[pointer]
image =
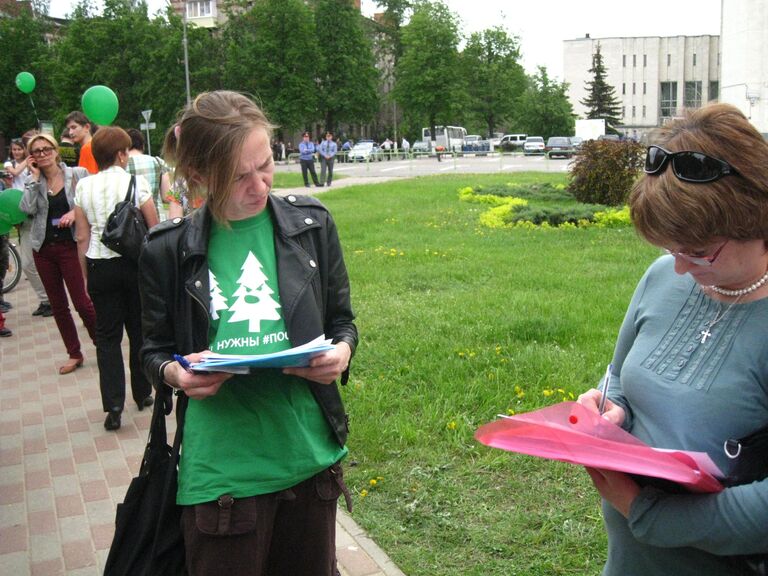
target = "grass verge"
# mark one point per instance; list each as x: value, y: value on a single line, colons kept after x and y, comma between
x: 459, y: 323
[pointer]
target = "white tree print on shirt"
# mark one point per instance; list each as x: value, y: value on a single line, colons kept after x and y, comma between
x: 218, y: 301
x: 254, y: 297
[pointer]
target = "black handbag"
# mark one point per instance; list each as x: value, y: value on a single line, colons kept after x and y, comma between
x: 125, y: 229
x: 748, y: 459
x: 148, y: 538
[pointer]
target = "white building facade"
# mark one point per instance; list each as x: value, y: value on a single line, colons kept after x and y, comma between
x: 744, y: 45
x: 654, y: 77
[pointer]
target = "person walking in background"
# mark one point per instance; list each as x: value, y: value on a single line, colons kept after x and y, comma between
x: 49, y: 197
x: 152, y: 168
x: 690, y: 366
x: 406, y: 147
x: 113, y: 279
x: 251, y: 272
x: 80, y: 131
x: 17, y: 167
x: 307, y: 151
x: 327, y: 157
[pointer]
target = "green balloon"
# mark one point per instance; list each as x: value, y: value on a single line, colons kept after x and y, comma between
x: 25, y: 82
x: 100, y: 105
x: 10, y: 213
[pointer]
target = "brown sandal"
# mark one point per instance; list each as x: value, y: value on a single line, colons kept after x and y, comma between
x: 71, y: 365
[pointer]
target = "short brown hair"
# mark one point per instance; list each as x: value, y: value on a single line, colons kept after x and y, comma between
x: 206, y: 142
x: 107, y: 142
x: 667, y: 211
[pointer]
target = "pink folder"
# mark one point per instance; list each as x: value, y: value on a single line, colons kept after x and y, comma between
x: 570, y: 433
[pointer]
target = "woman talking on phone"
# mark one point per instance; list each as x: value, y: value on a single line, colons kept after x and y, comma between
x: 49, y: 195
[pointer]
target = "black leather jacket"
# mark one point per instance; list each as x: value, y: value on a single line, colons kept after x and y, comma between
x: 312, y: 279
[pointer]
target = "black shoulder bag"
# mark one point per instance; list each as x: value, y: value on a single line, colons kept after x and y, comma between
x: 148, y: 538
x: 749, y: 463
x: 125, y: 229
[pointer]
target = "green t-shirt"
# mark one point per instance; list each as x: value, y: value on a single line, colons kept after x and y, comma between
x: 264, y: 432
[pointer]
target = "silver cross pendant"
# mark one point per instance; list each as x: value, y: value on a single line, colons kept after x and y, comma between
x: 705, y: 334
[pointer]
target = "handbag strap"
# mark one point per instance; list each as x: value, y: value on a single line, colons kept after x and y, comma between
x: 131, y: 194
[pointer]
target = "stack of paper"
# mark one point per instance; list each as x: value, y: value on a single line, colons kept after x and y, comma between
x: 297, y: 357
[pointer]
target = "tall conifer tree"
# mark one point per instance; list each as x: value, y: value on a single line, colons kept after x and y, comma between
x: 601, y: 101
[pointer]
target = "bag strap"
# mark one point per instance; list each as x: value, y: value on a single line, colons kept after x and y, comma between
x: 131, y: 195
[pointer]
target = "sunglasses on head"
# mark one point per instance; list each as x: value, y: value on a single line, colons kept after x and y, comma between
x: 687, y: 166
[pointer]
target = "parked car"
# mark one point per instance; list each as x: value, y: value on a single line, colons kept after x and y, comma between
x: 420, y: 147
x: 559, y: 146
x: 365, y: 151
x: 576, y: 142
x: 533, y: 145
x: 512, y: 142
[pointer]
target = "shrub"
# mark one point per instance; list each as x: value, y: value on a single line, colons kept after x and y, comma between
x: 604, y: 171
x: 557, y: 215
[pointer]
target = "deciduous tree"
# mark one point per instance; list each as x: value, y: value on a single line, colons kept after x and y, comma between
x: 494, y: 77
x: 544, y: 107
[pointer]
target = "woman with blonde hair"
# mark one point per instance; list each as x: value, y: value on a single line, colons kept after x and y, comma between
x: 49, y: 194
x: 690, y: 367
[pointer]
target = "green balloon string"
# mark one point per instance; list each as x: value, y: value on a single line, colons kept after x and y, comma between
x: 34, y: 109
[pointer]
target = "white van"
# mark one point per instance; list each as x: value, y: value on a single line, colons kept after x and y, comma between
x: 512, y: 142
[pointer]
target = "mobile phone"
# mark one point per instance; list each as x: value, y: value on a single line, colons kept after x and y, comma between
x: 33, y: 164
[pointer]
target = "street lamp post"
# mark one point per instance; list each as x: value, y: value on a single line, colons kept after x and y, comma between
x: 186, y: 56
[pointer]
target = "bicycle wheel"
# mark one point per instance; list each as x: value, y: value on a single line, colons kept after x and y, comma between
x: 13, y: 274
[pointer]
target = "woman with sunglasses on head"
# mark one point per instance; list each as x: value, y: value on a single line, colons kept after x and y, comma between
x: 690, y: 367
x: 49, y: 197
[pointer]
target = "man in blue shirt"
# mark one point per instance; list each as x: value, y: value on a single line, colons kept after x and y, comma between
x: 327, y: 157
x: 307, y: 160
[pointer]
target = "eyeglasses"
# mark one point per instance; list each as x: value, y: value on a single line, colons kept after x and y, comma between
x: 688, y: 166
x: 699, y: 260
x: 44, y: 151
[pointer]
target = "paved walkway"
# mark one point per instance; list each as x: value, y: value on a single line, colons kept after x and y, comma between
x: 62, y: 474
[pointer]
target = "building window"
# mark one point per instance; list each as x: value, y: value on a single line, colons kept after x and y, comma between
x: 623, y: 111
x: 644, y: 88
x: 645, y: 60
x: 623, y: 88
x: 693, y: 94
x: 633, y: 90
x: 199, y: 9
x: 633, y: 111
x: 623, y: 60
x: 643, y: 110
x: 634, y: 60
x: 714, y: 90
x: 668, y: 99
x: 694, y: 58
x: 669, y: 60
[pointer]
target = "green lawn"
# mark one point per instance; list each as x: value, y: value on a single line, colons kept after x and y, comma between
x: 459, y: 323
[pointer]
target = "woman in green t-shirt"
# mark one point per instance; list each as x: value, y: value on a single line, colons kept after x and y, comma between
x: 249, y: 273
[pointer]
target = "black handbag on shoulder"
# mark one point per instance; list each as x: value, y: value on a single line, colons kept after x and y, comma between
x: 748, y: 463
x: 125, y: 229
x: 148, y: 539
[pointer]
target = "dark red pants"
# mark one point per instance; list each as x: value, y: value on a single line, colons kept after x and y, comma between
x: 58, y: 265
x: 286, y: 533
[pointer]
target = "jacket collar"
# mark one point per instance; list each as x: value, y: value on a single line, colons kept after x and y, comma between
x: 289, y: 220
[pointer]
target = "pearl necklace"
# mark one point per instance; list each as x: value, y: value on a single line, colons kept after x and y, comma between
x: 740, y: 291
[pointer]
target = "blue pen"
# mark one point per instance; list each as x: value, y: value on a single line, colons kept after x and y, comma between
x: 606, y: 384
x: 183, y: 361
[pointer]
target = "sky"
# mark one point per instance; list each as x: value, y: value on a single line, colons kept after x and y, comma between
x: 542, y: 28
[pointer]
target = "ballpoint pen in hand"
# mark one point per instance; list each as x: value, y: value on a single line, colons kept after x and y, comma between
x: 606, y: 384
x: 183, y: 361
